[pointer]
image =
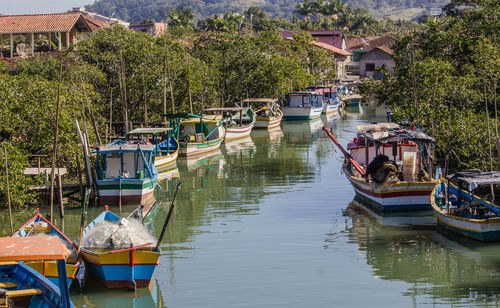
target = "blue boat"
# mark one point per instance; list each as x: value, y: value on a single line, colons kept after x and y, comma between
x: 123, y: 267
x: 459, y: 210
x: 37, y: 226
x: 22, y: 286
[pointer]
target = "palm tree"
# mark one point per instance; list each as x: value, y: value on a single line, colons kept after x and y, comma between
x: 305, y: 9
x: 181, y: 17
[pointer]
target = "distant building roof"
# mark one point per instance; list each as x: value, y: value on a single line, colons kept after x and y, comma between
x: 387, y: 50
x: 368, y: 43
x: 42, y: 23
x: 336, y: 35
x: 95, y: 24
x: 332, y: 48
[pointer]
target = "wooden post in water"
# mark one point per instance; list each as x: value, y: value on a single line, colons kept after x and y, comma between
x: 80, y: 180
x: 8, y: 191
x: 60, y: 193
x: 54, y: 149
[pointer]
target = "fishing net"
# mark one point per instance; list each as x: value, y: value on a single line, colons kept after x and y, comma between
x: 118, y: 235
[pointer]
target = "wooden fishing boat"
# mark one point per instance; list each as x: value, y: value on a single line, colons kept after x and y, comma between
x: 21, y: 285
x: 331, y: 100
x: 460, y: 211
x: 269, y: 115
x: 119, y: 268
x: 37, y: 226
x: 402, y: 184
x: 166, y: 146
x: 303, y: 106
x: 197, y: 134
x: 125, y: 172
x: 238, y: 121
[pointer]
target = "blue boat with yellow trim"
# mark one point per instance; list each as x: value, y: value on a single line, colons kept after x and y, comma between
x: 119, y: 268
x: 459, y: 210
x: 22, y: 286
x: 37, y: 226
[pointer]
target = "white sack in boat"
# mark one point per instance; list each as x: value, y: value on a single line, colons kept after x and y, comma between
x: 114, y: 235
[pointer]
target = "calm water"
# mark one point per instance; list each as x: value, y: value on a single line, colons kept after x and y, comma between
x: 271, y: 222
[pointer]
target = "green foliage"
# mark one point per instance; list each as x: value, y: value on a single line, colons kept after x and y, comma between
x: 447, y: 80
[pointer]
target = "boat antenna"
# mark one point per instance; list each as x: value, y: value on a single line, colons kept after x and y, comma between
x: 170, y: 210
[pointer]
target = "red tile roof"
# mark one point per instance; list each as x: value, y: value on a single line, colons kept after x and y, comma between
x: 370, y: 42
x: 40, y: 23
x: 94, y: 23
x: 332, y: 48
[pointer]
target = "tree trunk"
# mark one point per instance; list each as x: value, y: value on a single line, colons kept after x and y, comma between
x: 144, y: 95
x: 54, y: 147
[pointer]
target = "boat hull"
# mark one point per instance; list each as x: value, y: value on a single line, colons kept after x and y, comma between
x: 236, y: 132
x: 400, y: 197
x: 28, y: 278
x: 330, y: 108
x: 199, y: 148
x: 163, y: 163
x: 306, y: 113
x: 486, y: 230
x: 127, y: 269
x: 133, y: 191
x: 268, y: 122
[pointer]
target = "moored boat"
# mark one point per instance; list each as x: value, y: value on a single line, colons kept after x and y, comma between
x: 352, y: 100
x: 238, y: 121
x: 37, y: 226
x: 197, y: 134
x: 116, y: 256
x: 460, y: 211
x: 331, y: 100
x: 269, y: 115
x: 166, y: 146
x: 21, y: 285
x: 125, y: 172
x: 303, y: 106
x: 401, y: 184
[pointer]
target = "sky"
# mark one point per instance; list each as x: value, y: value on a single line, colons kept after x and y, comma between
x: 8, y: 7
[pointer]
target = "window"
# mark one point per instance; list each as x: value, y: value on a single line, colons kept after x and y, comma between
x: 369, y: 67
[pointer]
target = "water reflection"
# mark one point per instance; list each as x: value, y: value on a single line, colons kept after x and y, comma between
x: 439, y: 269
x: 94, y: 295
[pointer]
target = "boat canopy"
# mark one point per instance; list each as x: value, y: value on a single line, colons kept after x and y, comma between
x: 152, y: 130
x: 230, y: 109
x: 205, y: 118
x: 397, y: 135
x: 126, y: 147
x: 37, y: 248
x: 260, y: 100
x: 477, y: 178
x: 377, y: 127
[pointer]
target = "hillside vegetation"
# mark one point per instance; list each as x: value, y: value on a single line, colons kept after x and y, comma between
x: 138, y: 10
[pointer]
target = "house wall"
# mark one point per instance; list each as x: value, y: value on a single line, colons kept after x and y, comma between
x: 379, y: 58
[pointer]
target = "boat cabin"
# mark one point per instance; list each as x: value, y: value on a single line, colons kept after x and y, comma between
x: 125, y: 160
x: 160, y: 137
x: 233, y: 116
x: 200, y: 128
x: 304, y: 100
x: 266, y: 107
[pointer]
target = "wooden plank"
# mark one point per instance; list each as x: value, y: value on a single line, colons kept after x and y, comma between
x: 24, y: 292
x: 34, y: 171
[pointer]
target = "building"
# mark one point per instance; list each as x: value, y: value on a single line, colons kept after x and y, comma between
x: 333, y: 38
x: 342, y: 57
x: 101, y: 18
x: 155, y: 29
x: 61, y: 29
x: 374, y: 60
x: 359, y: 46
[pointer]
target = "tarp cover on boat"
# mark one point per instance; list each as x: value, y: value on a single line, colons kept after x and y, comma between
x: 32, y: 248
x: 476, y: 179
x: 398, y: 135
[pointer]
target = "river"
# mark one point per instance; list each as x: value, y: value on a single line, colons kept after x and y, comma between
x: 271, y: 222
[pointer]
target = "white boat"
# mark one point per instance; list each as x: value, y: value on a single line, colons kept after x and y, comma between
x: 331, y: 100
x: 303, y: 106
x: 238, y: 121
x: 269, y: 115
